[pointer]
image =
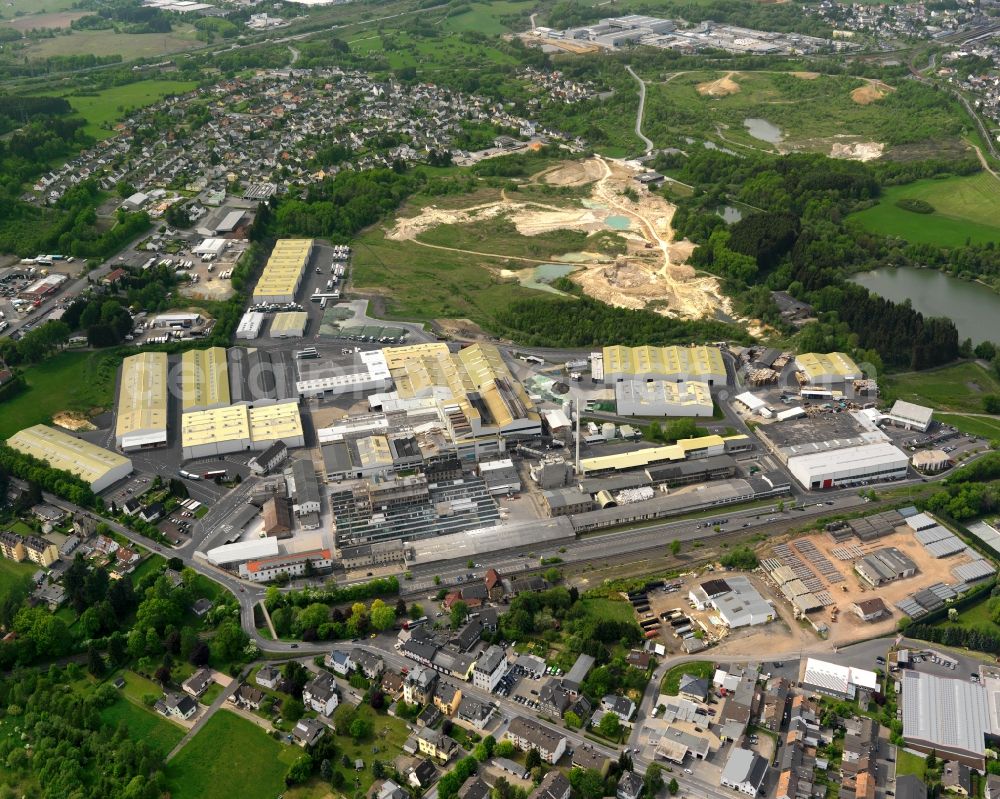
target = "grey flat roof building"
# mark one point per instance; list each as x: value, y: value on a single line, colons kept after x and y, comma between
x: 947, y: 716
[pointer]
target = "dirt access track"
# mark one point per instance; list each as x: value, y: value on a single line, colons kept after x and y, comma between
x: 652, y: 274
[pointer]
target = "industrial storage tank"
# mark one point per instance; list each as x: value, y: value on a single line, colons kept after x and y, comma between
x: 608, y: 431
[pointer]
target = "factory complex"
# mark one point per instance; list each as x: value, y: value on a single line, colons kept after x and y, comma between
x: 282, y: 275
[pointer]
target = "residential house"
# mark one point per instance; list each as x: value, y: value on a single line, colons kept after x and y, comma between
x: 775, y: 705
x: 392, y: 684
x: 494, y: 585
x: 870, y: 610
x: 910, y: 786
x: 630, y: 786
x: 422, y: 774
x: 340, y: 662
x: 591, y: 760
x: 468, y: 636
x: 268, y: 677
x: 151, y: 513
x: 418, y: 688
x: 474, y: 788
x: 178, y: 706
x: 744, y: 771
x: 69, y: 546
x: 621, y: 706
x: 429, y: 716
x: 435, y: 744
x: 554, y: 785
x: 447, y: 698
x: 956, y: 778
x: 794, y: 784
x: 126, y: 559
x: 693, y: 688
x: 40, y: 551
x: 132, y: 506
x: 476, y: 713
x: 321, y: 694
x: 639, y: 659
x: 12, y: 546
x: 527, y: 734
x: 388, y: 790
x: 490, y: 668
x: 368, y: 663
x: 247, y: 696
x: 198, y: 683
x: 308, y: 731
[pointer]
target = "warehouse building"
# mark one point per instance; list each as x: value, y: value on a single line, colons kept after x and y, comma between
x: 684, y: 449
x: 282, y: 275
x: 204, y: 379
x: 672, y: 364
x: 849, y: 466
x: 946, y: 716
x: 96, y: 466
x: 141, y: 420
x: 663, y: 398
x: 832, y: 679
x: 250, y: 325
x: 260, y: 377
x: 328, y: 380
x: 828, y: 369
x: 930, y: 461
x: 885, y: 566
x: 239, y: 428
x: 290, y: 324
x: 911, y: 416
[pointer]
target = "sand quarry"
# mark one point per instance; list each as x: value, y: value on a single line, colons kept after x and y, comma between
x: 872, y: 92
x: 651, y: 274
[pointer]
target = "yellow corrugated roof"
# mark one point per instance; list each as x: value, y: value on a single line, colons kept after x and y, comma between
x: 204, y: 378
x: 289, y: 320
x: 284, y: 268
x: 835, y: 364
x: 215, y: 425
x: 270, y: 422
x: 142, y: 394
x: 374, y: 451
x: 643, y: 457
x: 87, y: 461
x: 698, y: 361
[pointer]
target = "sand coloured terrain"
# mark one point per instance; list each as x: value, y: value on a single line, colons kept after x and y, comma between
x: 874, y: 91
x: 722, y: 87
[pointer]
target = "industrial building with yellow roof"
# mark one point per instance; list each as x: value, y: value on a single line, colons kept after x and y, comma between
x: 94, y: 465
x: 684, y: 449
x: 282, y: 275
x: 141, y: 420
x: 824, y: 369
x: 204, y: 379
x: 240, y: 428
x: 477, y: 393
x: 674, y: 364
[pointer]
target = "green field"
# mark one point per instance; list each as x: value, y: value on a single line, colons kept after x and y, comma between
x: 697, y: 668
x: 421, y: 283
x: 143, y: 724
x: 399, y: 50
x: 966, y: 209
x: 106, y: 42
x: 11, y: 8
x: 809, y: 112
x: 987, y: 427
x: 500, y: 236
x: 10, y: 572
x: 909, y: 763
x: 957, y: 388
x: 230, y: 757
x: 489, y: 18
x: 73, y: 381
x: 598, y: 608
x: 104, y: 108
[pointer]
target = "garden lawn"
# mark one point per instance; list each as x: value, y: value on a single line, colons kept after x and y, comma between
x: 672, y: 679
x: 909, y: 763
x: 10, y: 572
x: 143, y: 724
x: 69, y: 381
x: 965, y: 209
x: 389, y: 735
x: 959, y: 388
x: 599, y: 609
x: 230, y: 757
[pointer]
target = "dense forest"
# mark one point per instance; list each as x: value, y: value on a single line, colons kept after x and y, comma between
x: 797, y: 239
x: 585, y: 322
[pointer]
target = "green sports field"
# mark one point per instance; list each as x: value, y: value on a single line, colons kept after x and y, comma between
x: 966, y: 209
